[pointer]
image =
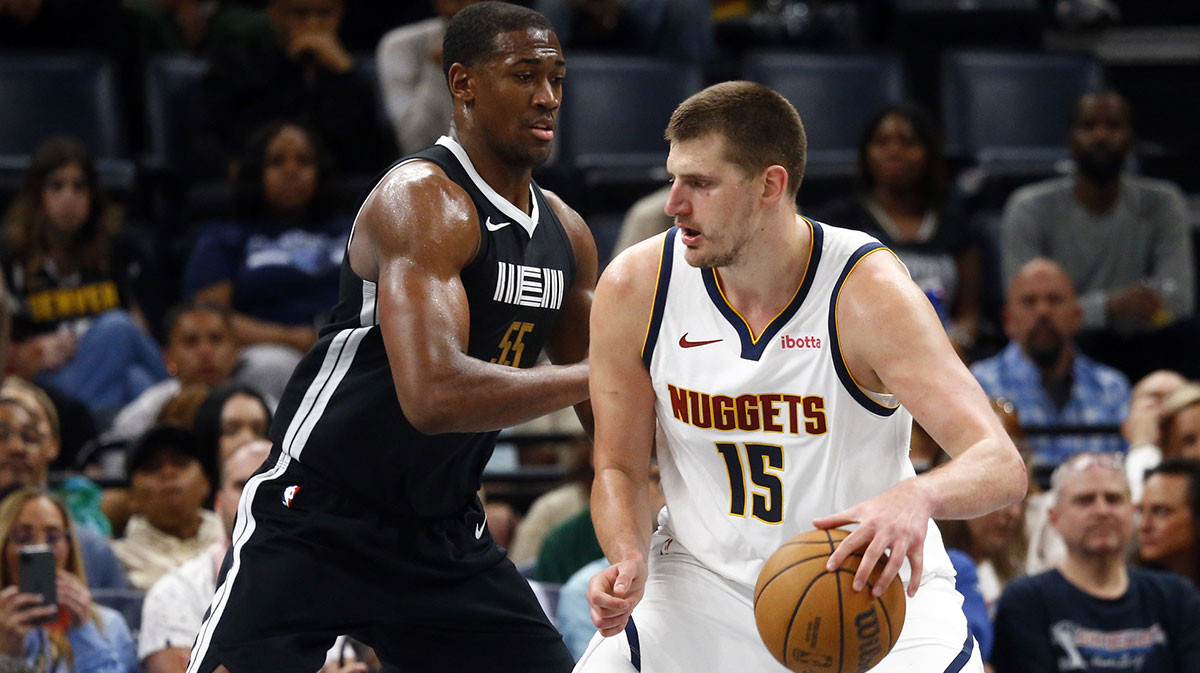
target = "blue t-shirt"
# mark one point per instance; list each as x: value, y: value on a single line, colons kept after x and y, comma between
x: 1045, y: 624
x: 287, y: 276
x: 966, y: 581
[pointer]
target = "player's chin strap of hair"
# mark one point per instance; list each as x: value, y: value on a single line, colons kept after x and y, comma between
x: 635, y: 648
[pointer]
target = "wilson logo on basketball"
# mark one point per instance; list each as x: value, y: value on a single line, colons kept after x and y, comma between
x: 870, y: 650
x: 786, y: 341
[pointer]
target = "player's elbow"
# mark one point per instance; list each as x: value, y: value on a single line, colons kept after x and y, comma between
x: 1015, y: 478
x: 431, y: 411
x: 430, y: 418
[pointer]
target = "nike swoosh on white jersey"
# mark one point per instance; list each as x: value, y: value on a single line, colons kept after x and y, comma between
x: 495, y: 227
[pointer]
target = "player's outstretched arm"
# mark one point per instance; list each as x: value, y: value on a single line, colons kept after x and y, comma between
x: 893, y: 342
x: 569, y: 340
x: 623, y: 403
x: 415, y: 234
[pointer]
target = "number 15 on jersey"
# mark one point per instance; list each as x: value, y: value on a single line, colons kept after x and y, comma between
x: 765, y: 462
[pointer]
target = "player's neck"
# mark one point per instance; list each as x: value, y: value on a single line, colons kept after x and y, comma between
x: 510, y: 182
x: 1099, y: 576
x: 770, y: 269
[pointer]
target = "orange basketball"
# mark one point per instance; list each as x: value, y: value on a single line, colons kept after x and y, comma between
x: 813, y: 621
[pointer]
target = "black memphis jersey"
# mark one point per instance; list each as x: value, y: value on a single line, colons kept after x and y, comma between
x: 339, y: 414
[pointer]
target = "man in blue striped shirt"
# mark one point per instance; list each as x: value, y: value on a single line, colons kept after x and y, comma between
x: 1042, y: 373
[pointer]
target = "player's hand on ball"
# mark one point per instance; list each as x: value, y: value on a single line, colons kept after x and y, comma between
x: 894, y: 522
x: 614, y: 592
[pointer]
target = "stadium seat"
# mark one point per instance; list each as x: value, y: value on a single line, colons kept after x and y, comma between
x: 74, y: 95
x: 1011, y: 110
x: 834, y: 94
x: 169, y: 79
x: 48, y: 95
x: 614, y: 111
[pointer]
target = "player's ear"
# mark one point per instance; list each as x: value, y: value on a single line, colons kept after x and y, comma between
x: 461, y: 83
x: 775, y: 183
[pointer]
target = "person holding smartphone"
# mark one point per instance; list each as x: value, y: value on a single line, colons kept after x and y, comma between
x: 73, y: 635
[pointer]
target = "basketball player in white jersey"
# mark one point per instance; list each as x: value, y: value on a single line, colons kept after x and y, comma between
x: 784, y: 361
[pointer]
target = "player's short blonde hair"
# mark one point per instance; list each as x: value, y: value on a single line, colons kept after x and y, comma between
x: 760, y: 127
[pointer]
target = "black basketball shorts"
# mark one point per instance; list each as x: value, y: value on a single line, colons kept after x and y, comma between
x: 308, y: 563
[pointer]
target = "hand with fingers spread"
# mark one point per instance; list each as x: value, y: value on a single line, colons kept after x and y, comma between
x: 614, y: 592
x: 18, y: 614
x: 892, y: 523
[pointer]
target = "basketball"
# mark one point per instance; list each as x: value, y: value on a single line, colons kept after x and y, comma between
x: 813, y: 621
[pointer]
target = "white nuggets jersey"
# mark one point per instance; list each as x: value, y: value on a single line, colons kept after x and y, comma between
x: 765, y: 433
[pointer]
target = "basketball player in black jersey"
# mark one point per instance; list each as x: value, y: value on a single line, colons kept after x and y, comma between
x: 364, y: 519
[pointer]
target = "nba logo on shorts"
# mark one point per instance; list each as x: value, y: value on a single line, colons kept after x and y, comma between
x: 289, y: 493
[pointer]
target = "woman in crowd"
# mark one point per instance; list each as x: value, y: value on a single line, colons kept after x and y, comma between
x: 1168, y: 533
x: 901, y: 200
x: 277, y: 264
x: 232, y: 416
x: 77, y: 327
x: 80, y: 636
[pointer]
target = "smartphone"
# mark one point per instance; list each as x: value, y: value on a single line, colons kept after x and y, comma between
x: 37, y: 575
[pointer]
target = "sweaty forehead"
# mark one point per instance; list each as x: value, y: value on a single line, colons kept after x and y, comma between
x: 533, y: 43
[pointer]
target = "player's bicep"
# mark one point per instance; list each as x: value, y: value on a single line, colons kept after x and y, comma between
x: 893, y: 341
x: 423, y: 310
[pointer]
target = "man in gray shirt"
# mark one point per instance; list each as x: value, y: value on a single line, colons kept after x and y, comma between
x: 1123, y: 239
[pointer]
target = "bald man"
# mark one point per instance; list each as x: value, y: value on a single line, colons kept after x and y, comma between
x: 1043, y: 374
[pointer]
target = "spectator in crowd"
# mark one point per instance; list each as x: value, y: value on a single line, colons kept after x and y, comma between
x: 200, y: 350
x: 277, y: 266
x: 553, y: 507
x: 86, y: 637
x: 69, y: 419
x: 409, y: 60
x: 680, y: 29
x: 1122, y: 239
x: 975, y: 609
x: 192, y: 27
x: 80, y: 493
x: 1181, y: 422
x: 232, y: 416
x: 997, y: 545
x: 78, y: 327
x: 1142, y: 428
x: 175, y: 605
x: 1041, y: 372
x: 901, y: 200
x: 1168, y: 532
x: 23, y: 462
x: 300, y: 70
x: 168, y: 484
x: 1094, y: 612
